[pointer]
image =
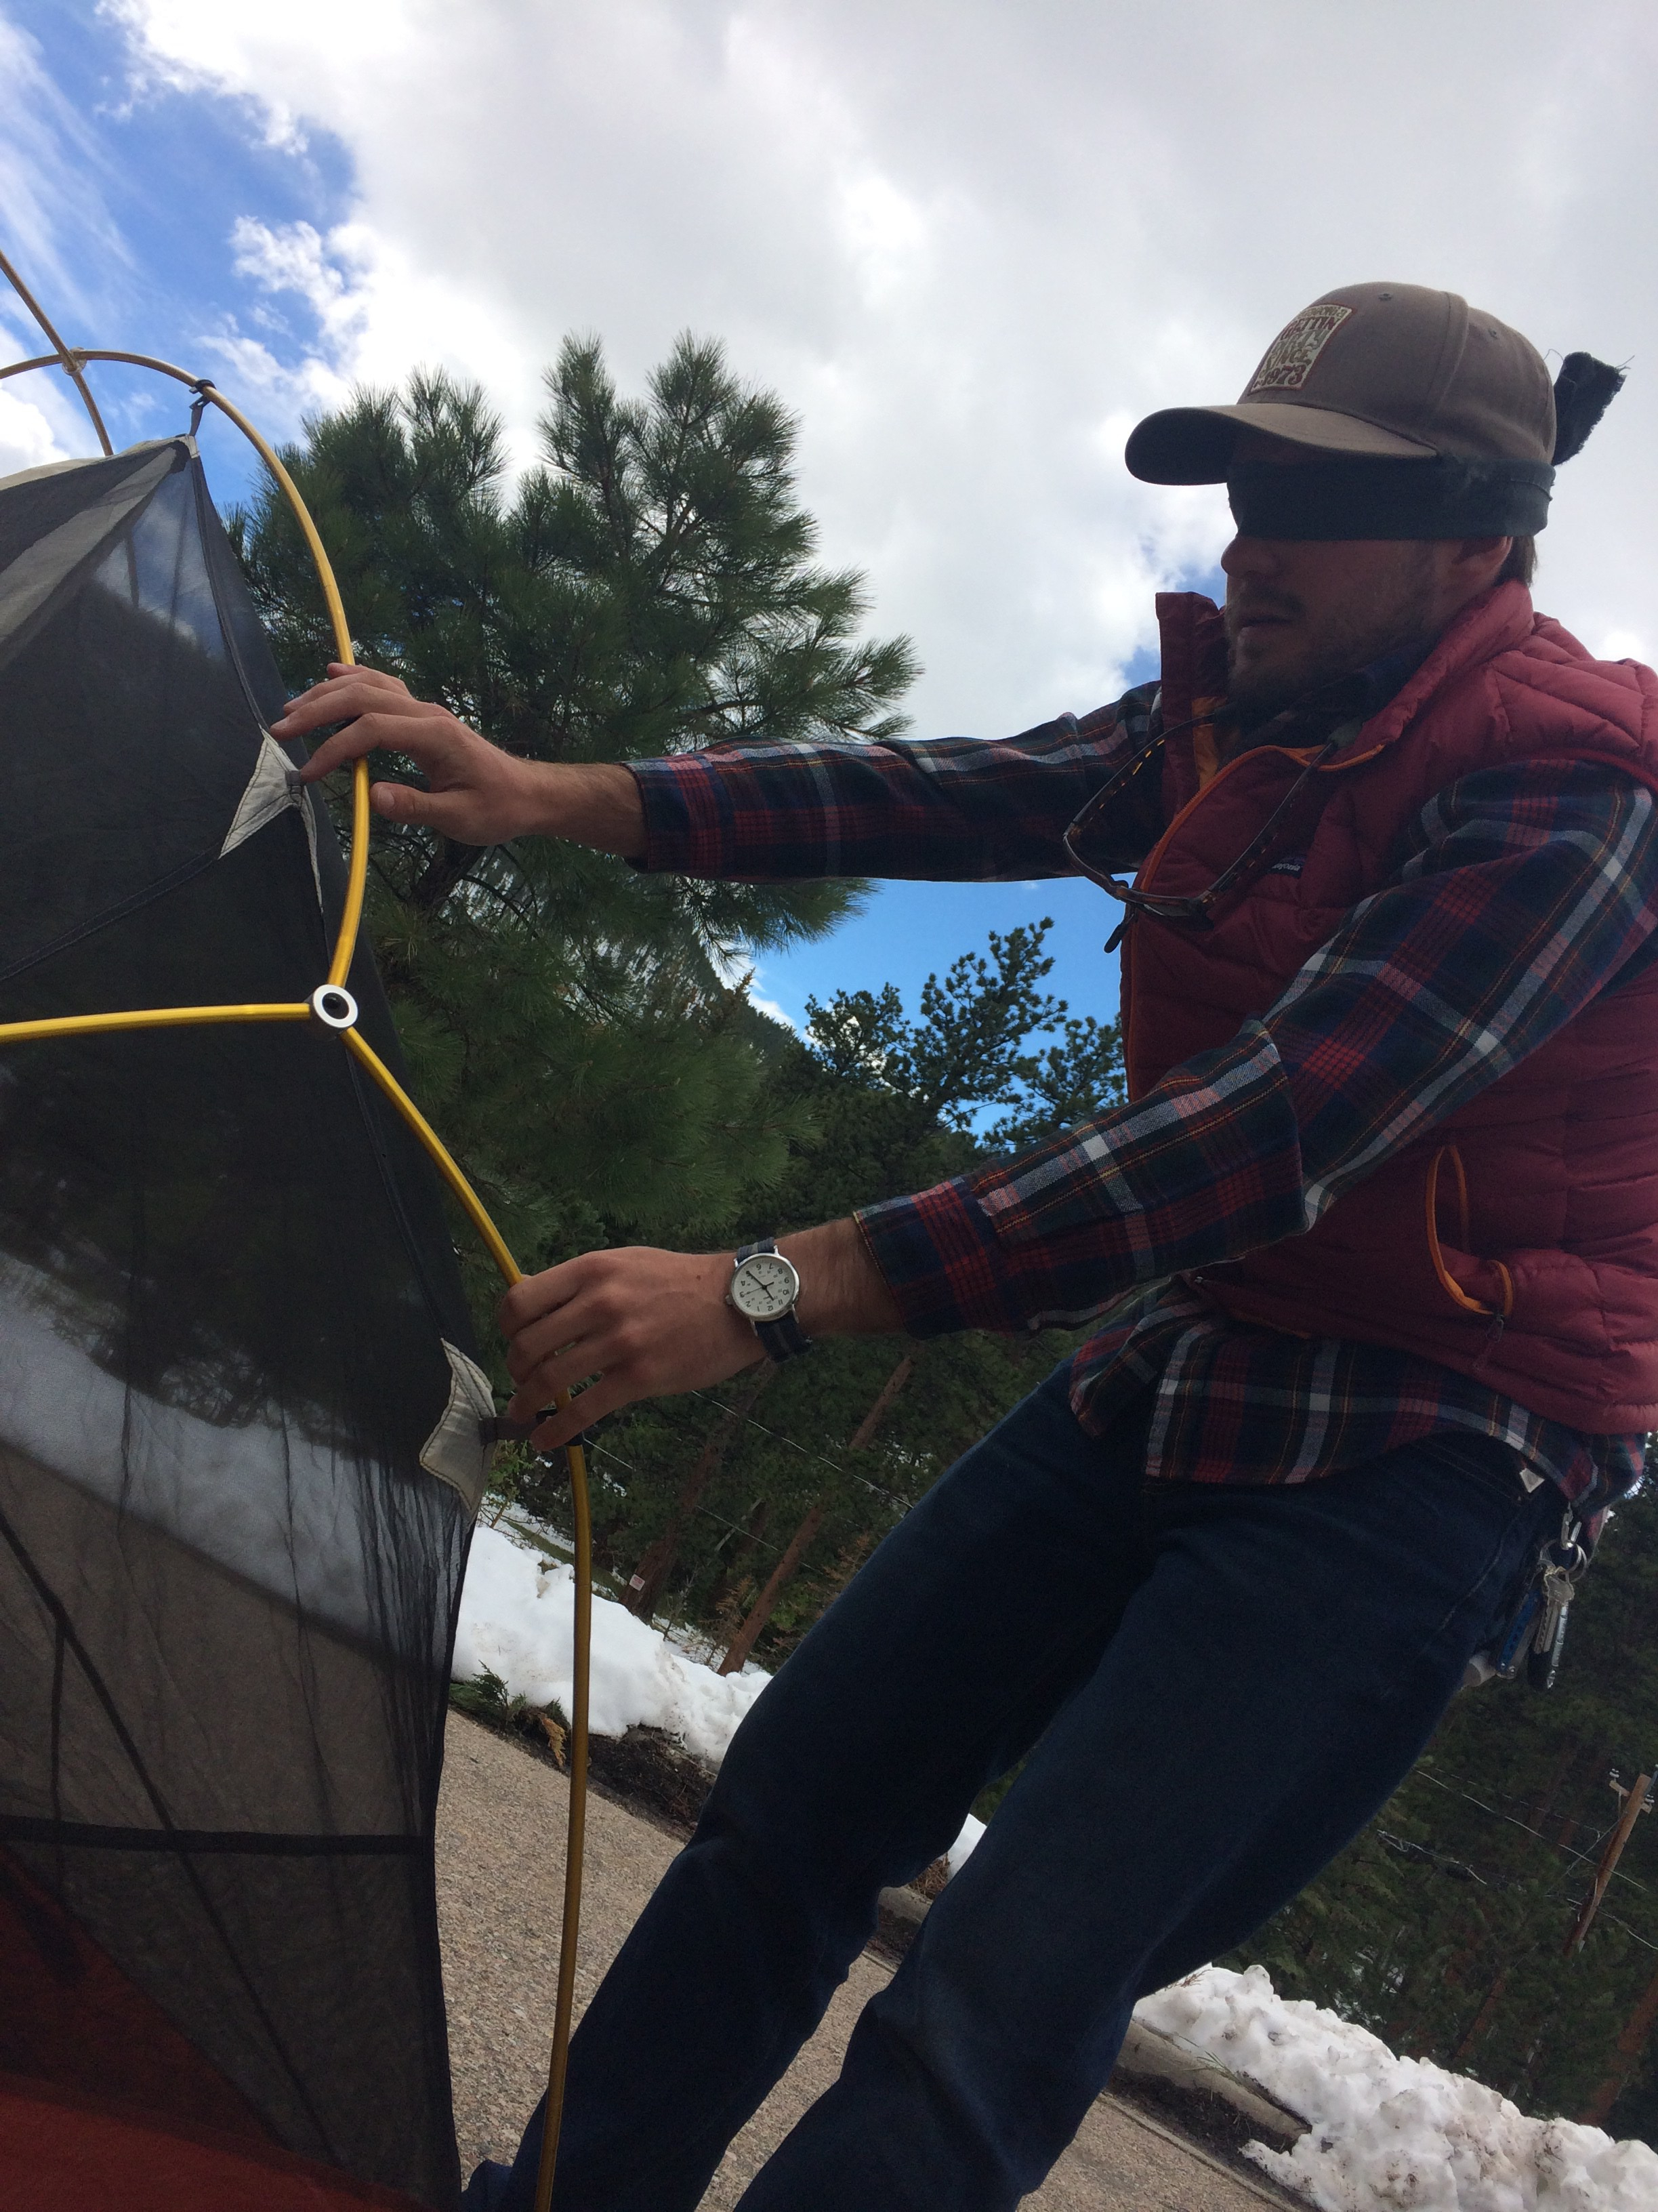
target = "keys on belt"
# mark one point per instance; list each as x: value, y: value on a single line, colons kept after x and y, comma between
x: 1537, y: 1633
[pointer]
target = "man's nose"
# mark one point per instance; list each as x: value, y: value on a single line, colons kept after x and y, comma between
x: 1251, y: 556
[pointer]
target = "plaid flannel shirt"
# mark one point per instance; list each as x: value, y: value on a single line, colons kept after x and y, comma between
x: 1522, y: 892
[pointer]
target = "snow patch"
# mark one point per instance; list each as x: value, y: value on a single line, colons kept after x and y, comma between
x: 517, y: 1618
x: 965, y: 1845
x: 1388, y: 2134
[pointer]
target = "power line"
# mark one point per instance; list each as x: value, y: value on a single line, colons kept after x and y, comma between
x: 834, y: 1466
x: 1498, y: 1814
x: 708, y: 1511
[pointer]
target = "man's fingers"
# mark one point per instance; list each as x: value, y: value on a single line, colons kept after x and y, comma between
x: 540, y: 1383
x: 534, y: 1297
x: 423, y: 735
x: 580, y: 1305
x: 580, y: 1414
x: 406, y: 802
x: 631, y: 1323
x: 348, y: 692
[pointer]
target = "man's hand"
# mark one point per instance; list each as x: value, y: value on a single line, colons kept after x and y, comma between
x: 476, y: 793
x: 645, y: 1323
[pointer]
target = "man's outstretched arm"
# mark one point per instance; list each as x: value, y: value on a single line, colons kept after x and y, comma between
x: 949, y: 810
x: 1531, y: 889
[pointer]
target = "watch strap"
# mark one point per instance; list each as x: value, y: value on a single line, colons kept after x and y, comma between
x: 784, y: 1338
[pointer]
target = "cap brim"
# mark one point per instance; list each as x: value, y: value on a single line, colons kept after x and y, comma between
x: 1193, y: 445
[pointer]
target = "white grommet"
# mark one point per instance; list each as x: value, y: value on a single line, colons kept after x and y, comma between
x: 334, y: 1006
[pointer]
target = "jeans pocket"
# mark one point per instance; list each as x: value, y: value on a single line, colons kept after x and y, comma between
x: 1485, y: 1462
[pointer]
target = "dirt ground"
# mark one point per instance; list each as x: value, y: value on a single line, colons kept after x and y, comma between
x: 501, y: 1862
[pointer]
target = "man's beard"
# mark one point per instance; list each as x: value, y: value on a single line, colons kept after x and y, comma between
x: 1349, y: 640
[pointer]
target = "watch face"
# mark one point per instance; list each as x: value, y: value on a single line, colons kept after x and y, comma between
x: 765, y: 1288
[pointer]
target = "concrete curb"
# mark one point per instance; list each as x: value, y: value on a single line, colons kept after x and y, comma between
x: 1146, y: 2056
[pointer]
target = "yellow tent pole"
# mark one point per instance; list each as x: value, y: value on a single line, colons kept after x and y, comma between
x: 345, y: 944
x: 64, y: 358
x: 444, y: 1159
x: 576, y: 1460
x: 152, y: 1018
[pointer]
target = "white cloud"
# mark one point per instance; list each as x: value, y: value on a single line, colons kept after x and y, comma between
x: 26, y: 436
x: 970, y: 245
x: 48, y: 167
x: 770, y: 1006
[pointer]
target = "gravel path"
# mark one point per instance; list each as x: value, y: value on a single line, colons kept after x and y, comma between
x: 501, y: 1858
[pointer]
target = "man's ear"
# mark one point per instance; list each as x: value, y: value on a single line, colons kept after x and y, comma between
x: 1479, y: 560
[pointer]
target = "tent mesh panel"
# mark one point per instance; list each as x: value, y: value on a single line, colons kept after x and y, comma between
x: 227, y: 1586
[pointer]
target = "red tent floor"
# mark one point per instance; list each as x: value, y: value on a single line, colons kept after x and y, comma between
x: 60, y: 2153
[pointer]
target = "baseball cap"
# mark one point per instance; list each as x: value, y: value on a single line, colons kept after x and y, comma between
x: 1371, y: 372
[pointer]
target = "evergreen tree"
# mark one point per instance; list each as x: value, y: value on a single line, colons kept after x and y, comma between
x: 887, y: 1105
x: 580, y: 1029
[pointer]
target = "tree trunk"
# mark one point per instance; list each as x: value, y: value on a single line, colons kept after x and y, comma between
x: 766, y: 1604
x: 649, y: 1578
x: 1481, y: 2021
x: 844, y: 1569
x: 743, y: 1642
x: 876, y: 1414
x: 1630, y: 2043
x: 447, y: 864
x: 725, y: 1606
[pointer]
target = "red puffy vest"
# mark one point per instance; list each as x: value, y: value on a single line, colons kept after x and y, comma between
x: 1518, y: 1241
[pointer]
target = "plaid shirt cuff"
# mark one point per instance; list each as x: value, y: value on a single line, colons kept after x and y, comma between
x: 686, y: 826
x: 1204, y: 1167
x: 941, y: 1261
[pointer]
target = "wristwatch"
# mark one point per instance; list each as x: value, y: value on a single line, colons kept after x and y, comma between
x: 763, y: 1289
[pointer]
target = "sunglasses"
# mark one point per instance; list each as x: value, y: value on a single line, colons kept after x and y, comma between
x: 1254, y: 860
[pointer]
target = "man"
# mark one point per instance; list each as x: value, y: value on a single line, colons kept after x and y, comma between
x: 1389, y: 1005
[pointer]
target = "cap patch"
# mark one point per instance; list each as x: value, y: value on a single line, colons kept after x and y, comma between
x: 1289, y: 357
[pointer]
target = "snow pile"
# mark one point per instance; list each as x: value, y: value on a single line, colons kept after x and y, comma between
x: 517, y: 1618
x: 963, y: 1848
x: 1388, y: 2134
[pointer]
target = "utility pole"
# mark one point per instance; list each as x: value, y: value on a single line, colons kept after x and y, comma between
x: 766, y: 1604
x: 1637, y: 1799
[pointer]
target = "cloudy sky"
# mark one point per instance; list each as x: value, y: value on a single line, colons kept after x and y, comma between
x: 969, y: 242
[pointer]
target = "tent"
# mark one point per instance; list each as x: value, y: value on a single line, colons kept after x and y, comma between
x: 242, y: 1430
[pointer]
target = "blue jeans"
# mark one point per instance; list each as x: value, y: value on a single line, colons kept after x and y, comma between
x: 1216, y: 1688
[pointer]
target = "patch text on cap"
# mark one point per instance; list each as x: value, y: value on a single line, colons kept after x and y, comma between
x: 1289, y: 359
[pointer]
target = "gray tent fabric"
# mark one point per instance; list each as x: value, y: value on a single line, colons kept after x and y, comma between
x: 49, y: 560
x: 240, y: 1406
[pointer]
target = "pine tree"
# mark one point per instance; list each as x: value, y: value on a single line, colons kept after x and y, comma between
x: 581, y: 1029
x: 888, y: 1104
